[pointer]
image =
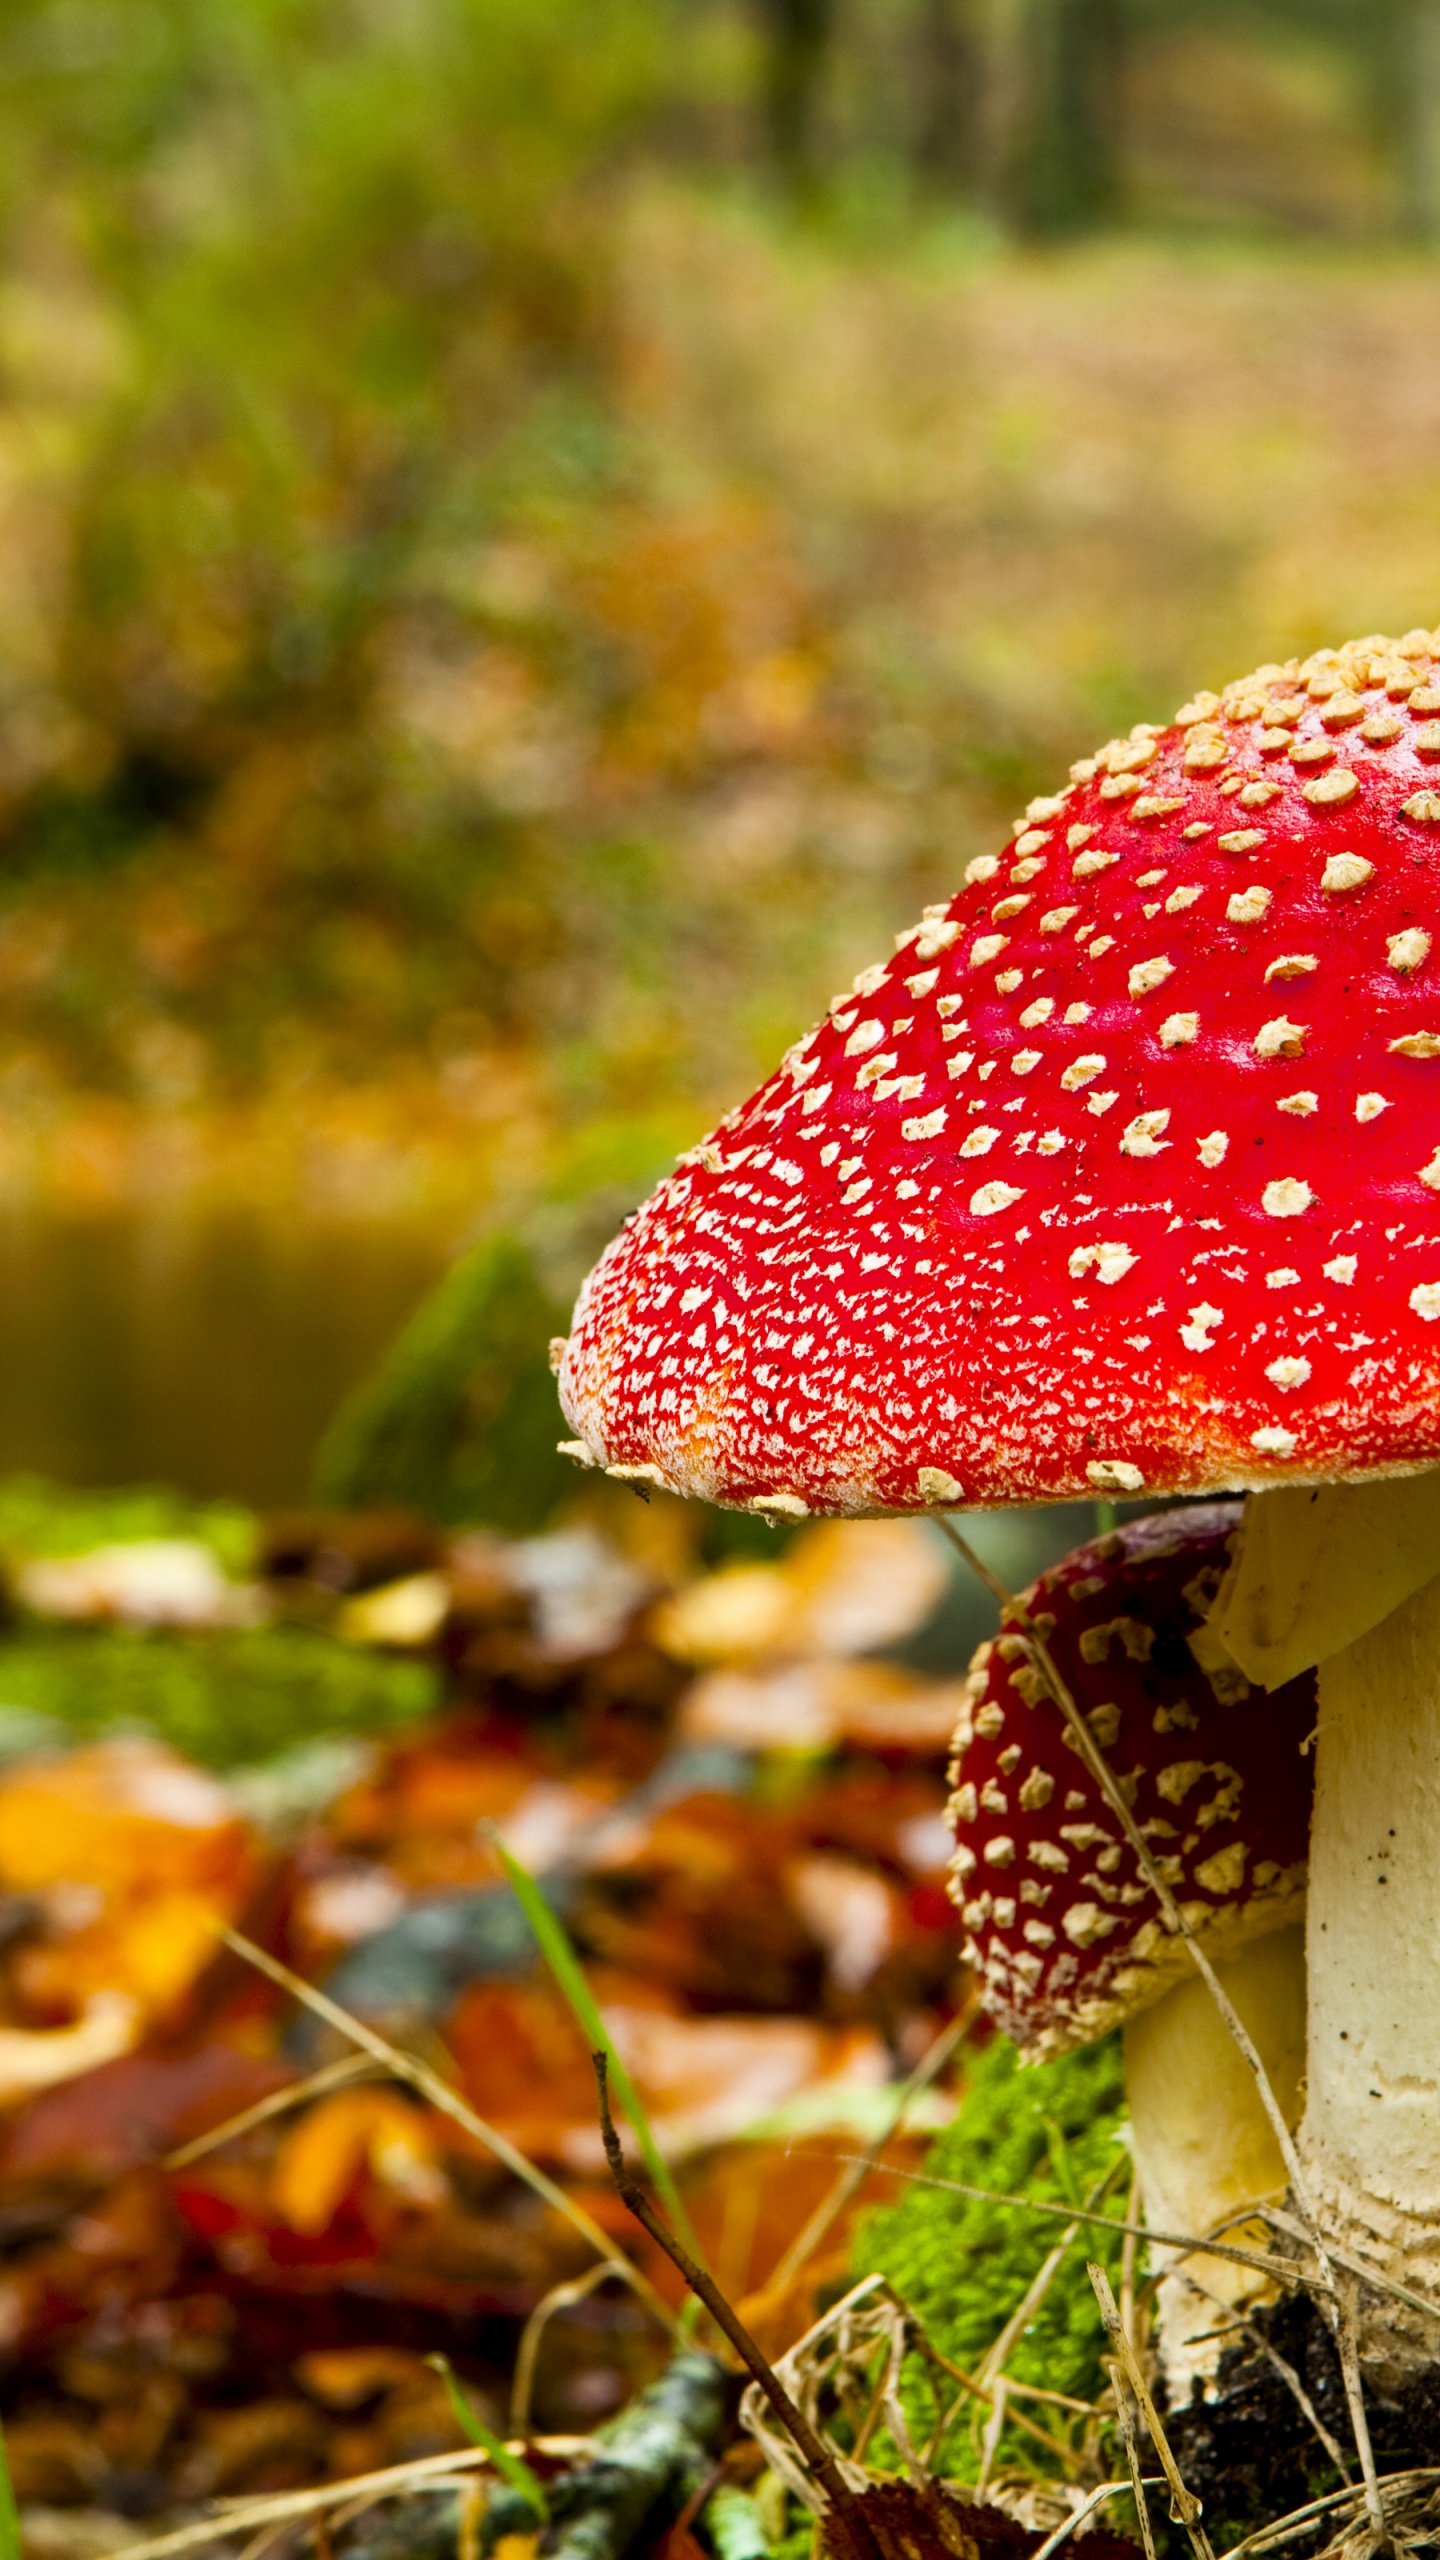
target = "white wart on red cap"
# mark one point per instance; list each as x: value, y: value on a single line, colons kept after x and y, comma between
x: 1122, y: 1174
x: 1063, y: 1926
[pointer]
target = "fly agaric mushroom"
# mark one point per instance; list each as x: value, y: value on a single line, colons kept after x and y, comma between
x: 1122, y: 1175
x: 1062, y: 1923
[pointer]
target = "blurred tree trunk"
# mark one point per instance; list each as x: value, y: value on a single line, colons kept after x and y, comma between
x: 950, y: 82
x: 1417, y: 105
x: 1058, y: 157
x: 796, y: 36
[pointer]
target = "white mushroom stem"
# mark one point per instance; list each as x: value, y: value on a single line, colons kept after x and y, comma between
x: 1204, y: 2146
x: 1349, y: 1576
x: 1371, y: 2138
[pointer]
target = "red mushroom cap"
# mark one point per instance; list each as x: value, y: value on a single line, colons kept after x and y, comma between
x: 1123, y: 1173
x: 1062, y: 1923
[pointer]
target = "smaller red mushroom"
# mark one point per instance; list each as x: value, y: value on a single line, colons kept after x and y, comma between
x: 1063, y: 1925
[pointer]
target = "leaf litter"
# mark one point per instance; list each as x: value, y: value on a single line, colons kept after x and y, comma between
x: 305, y: 2226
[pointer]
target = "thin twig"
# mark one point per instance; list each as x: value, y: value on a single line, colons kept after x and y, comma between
x: 1270, y: 2537
x: 447, y: 2102
x: 1184, y: 2505
x: 846, y: 2510
x: 852, y: 2178
x: 296, y: 2093
x: 1339, y: 2313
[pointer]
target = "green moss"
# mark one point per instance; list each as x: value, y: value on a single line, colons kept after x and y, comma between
x: 38, y: 1518
x: 225, y: 1699
x: 963, y: 2265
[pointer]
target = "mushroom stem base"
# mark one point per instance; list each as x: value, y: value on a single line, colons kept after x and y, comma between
x: 1204, y: 2146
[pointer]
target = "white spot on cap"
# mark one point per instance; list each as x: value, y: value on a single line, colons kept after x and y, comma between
x: 1273, y: 1441
x: 1225, y: 1872
x: 1286, y: 1198
x: 639, y: 1475
x: 929, y: 1127
x: 1345, y: 871
x: 1425, y: 1299
x: 1280, y: 1039
x: 1424, y: 807
x: 935, y: 938
x: 937, y: 1486
x: 979, y: 1142
x: 1114, y: 1475
x: 1082, y: 1071
x: 988, y: 947
x: 1342, y: 1269
x: 1100, y: 1103
x: 1009, y: 980
x: 1291, y: 964
x: 1084, y: 1922
x: 992, y: 1197
x: 1086, y: 865
x: 1004, y: 908
x: 1055, y: 919
x: 1141, y: 1135
x: 1038, y: 1012
x: 1147, y: 975
x: 1178, y: 1030
x: 1214, y: 1149
x: 1183, y: 897
x: 1110, y: 1262
x: 999, y: 1852
x: 1430, y: 1173
x: 867, y: 980
x: 1406, y: 952
x: 984, y: 867
x: 1285, y: 1279
x: 787, y: 1506
x: 866, y: 1035
x: 1203, y: 1320
x: 1299, y: 1105
x: 1024, y: 1062
x: 1248, y: 905
x: 1332, y: 790
x: 1417, y: 1044
x: 1288, y: 1373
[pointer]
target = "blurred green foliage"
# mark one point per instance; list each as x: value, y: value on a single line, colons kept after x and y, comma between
x: 226, y: 1700
x: 40, y: 1518
x: 460, y: 1419
x: 963, y: 2265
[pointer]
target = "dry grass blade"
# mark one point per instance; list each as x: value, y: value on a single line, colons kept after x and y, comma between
x: 246, y: 2515
x: 1284, y: 2270
x: 1283, y: 2367
x: 561, y: 2297
x: 336, y: 2075
x: 1082, y: 2515
x: 1279, y: 2220
x: 1301, y: 2520
x: 1185, y: 2507
x: 447, y: 2102
x: 802, y: 2248
x: 1337, y: 2311
x: 998, y: 2354
x: 1116, y: 2372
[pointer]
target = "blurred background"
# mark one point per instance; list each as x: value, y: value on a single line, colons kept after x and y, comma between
x: 535, y: 533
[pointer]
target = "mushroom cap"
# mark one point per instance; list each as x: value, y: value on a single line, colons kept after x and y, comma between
x: 1123, y: 1174
x: 1063, y: 1925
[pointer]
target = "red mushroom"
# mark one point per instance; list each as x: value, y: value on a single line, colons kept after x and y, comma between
x: 1123, y: 1175
x: 1062, y: 1923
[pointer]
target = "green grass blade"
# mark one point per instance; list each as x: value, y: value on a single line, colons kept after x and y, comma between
x: 9, y: 2520
x: 554, y: 1944
x: 508, y: 2464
